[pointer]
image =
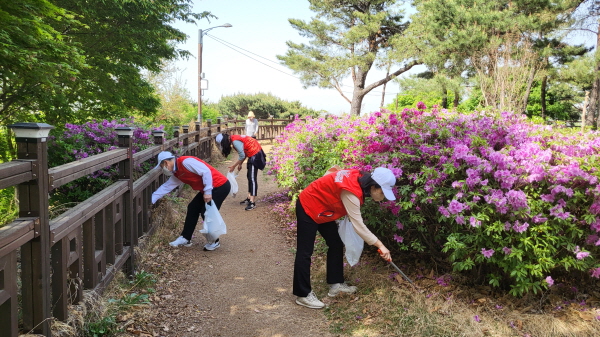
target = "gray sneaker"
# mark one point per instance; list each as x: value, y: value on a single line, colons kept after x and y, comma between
x: 310, y: 301
x: 181, y: 241
x: 212, y: 245
x: 337, y: 288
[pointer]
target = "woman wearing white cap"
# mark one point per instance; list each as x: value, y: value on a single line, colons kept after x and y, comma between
x: 247, y: 148
x: 338, y: 193
x: 251, y: 125
x: 201, y: 177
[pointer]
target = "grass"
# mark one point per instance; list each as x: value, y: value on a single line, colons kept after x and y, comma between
x: 386, y: 305
x: 443, y: 305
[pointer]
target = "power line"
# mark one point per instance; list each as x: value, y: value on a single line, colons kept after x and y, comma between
x: 237, y: 49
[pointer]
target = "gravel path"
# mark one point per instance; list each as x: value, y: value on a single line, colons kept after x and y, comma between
x: 241, y: 289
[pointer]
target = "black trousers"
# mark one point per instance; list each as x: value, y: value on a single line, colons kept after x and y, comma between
x: 252, y: 174
x: 197, y: 207
x: 305, y: 243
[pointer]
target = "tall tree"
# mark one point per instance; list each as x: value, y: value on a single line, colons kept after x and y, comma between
x: 34, y: 56
x: 495, y: 39
x: 94, y: 52
x: 587, y: 19
x: 175, y: 101
x: 349, y: 38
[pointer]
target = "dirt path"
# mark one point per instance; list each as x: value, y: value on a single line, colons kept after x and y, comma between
x: 241, y: 289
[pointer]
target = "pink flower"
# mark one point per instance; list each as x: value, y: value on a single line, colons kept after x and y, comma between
x: 477, y: 319
x: 507, y: 250
x: 487, y: 252
x: 580, y: 254
x: 596, y: 272
x: 550, y: 281
x: 474, y: 222
x: 399, y: 225
x: 398, y: 238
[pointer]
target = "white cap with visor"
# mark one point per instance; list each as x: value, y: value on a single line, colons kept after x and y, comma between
x: 386, y: 179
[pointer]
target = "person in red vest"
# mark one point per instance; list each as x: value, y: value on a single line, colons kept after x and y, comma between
x: 201, y: 177
x: 247, y: 148
x: 338, y: 193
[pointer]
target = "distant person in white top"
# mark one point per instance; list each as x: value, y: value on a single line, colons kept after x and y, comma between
x: 251, y: 125
x: 201, y: 177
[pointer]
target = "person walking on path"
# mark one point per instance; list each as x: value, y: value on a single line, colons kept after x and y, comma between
x: 246, y: 147
x: 201, y: 177
x: 251, y: 125
x: 336, y: 194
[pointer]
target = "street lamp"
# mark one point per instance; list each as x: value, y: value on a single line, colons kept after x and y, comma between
x: 200, y: 35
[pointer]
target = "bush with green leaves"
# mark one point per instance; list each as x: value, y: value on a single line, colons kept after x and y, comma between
x: 514, y: 202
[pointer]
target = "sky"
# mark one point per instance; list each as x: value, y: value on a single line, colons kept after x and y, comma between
x: 244, y: 60
x: 260, y: 29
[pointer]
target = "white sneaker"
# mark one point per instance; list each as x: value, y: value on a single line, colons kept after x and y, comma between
x: 181, y: 241
x: 310, y: 301
x: 212, y: 245
x: 337, y: 288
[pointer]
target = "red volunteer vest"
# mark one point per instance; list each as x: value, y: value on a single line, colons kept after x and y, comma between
x: 251, y: 145
x: 194, y: 180
x: 322, y: 198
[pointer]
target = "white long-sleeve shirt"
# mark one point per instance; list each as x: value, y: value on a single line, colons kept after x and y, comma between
x: 251, y: 127
x: 192, y: 165
x: 352, y: 206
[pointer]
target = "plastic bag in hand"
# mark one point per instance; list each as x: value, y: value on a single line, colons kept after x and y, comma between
x: 234, y: 185
x: 214, y: 226
x: 354, y: 243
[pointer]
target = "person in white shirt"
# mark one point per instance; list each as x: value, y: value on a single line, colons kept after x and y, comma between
x: 201, y: 177
x: 251, y: 125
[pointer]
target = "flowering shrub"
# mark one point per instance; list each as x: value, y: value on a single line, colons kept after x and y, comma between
x: 76, y: 142
x: 517, y: 200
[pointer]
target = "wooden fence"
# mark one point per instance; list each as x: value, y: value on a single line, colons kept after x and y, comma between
x: 84, y: 247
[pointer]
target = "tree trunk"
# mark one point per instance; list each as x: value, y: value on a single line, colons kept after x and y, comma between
x: 543, y: 96
x: 528, y: 90
x: 592, y: 110
x: 356, y: 104
x: 444, y: 98
x: 456, y: 99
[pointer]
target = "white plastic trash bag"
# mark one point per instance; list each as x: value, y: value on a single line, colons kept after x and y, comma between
x: 354, y: 243
x: 234, y: 185
x: 214, y: 226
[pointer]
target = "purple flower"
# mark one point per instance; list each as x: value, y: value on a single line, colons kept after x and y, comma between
x: 596, y: 272
x: 474, y: 222
x: 455, y: 207
x: 580, y: 254
x: 487, y: 252
x: 421, y: 105
x: 444, y: 211
x: 399, y: 225
x: 520, y: 228
x: 460, y: 219
x: 550, y: 281
x: 477, y: 319
x: 507, y: 250
x: 398, y: 238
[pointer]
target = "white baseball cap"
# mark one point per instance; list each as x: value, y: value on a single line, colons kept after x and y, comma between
x: 386, y: 179
x: 162, y: 156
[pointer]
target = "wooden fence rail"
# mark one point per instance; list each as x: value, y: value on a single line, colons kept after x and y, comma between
x: 83, y: 248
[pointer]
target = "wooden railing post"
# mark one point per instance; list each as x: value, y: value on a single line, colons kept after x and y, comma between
x: 208, y: 147
x: 176, y: 135
x: 31, y: 139
x: 126, y: 173
x: 159, y: 137
x: 198, y: 127
x: 186, y: 129
x: 219, y: 125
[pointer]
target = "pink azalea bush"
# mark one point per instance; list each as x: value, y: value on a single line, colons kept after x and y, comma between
x: 76, y: 142
x: 469, y: 185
